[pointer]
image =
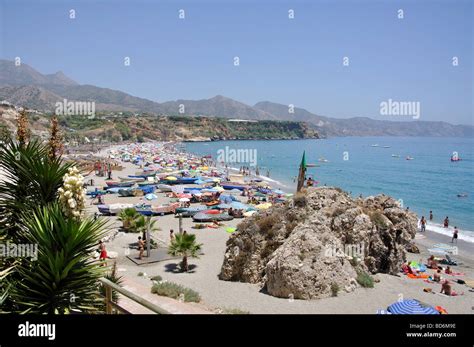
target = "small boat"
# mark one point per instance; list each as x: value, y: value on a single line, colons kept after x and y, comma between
x: 409, y: 158
x: 164, y: 188
x: 131, y: 179
x: 119, y: 184
x: 323, y: 160
x: 204, y: 217
x: 462, y: 195
x: 454, y: 159
x: 386, y: 146
x: 113, y: 209
x: 94, y: 193
x: 165, y: 208
x: 190, y: 211
x: 376, y: 145
x: 232, y: 185
x: 395, y: 155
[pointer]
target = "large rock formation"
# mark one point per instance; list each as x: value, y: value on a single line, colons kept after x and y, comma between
x: 318, y: 243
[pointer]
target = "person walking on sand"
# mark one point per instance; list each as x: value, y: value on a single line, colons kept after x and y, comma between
x: 103, y: 251
x: 171, y: 235
x: 141, y: 247
x: 446, y: 222
x: 431, y: 216
x: 423, y: 224
x: 455, y: 235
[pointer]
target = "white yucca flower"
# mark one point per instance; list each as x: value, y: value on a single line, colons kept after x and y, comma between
x: 72, y: 195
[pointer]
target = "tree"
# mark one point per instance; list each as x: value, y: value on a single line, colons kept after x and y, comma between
x: 56, y: 146
x: 128, y: 217
x: 184, y: 245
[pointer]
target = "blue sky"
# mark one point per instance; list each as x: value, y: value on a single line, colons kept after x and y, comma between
x: 295, y: 61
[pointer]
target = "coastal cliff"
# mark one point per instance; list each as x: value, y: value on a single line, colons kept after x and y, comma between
x: 318, y: 243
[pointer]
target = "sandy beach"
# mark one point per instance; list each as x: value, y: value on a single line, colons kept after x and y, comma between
x: 217, y: 294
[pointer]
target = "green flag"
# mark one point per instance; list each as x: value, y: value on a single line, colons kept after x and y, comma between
x: 303, y: 161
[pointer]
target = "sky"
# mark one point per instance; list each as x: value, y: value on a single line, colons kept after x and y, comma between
x: 295, y: 61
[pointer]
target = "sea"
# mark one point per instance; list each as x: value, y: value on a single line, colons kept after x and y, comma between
x: 369, y: 166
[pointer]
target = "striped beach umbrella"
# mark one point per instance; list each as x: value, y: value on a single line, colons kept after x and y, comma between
x: 410, y: 306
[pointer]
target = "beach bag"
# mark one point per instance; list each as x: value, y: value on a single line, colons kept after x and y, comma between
x: 461, y: 281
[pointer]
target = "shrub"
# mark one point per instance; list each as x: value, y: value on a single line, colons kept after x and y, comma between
x: 174, y: 291
x: 157, y: 278
x: 334, y: 289
x: 267, y: 222
x: 300, y: 200
x: 234, y: 311
x: 364, y: 279
x: 378, y: 219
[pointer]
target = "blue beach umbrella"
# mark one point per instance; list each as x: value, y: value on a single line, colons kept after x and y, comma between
x: 410, y: 306
x: 278, y: 191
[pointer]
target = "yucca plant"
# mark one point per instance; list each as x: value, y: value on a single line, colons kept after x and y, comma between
x: 64, y: 278
x: 128, y: 217
x: 31, y: 179
x: 184, y: 245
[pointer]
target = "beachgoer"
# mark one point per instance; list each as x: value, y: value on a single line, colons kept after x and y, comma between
x: 446, y: 288
x: 103, y: 252
x: 141, y: 247
x: 437, y: 276
x: 455, y: 235
x: 448, y: 270
x: 446, y: 222
x: 431, y: 216
x: 423, y: 223
x: 432, y: 263
x: 171, y: 234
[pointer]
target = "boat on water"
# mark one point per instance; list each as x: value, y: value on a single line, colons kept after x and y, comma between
x: 455, y: 158
x: 375, y: 145
x: 386, y: 146
x: 462, y: 195
x: 323, y: 160
x: 409, y: 158
x: 395, y: 155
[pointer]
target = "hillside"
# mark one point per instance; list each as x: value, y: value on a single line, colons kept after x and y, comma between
x: 24, y: 86
x: 169, y: 128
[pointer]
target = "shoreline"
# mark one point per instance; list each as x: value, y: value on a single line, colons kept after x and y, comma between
x: 219, y: 294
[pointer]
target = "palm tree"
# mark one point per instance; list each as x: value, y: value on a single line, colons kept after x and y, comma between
x: 144, y: 224
x: 184, y: 245
x: 64, y: 276
x: 128, y: 217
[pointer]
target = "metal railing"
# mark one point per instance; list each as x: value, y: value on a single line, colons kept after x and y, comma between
x: 110, y: 305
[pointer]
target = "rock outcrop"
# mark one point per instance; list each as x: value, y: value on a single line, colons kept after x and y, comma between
x: 319, y: 243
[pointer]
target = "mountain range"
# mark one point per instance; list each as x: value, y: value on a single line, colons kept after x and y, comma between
x: 24, y: 86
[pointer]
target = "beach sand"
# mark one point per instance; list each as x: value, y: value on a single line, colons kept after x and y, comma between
x: 217, y: 294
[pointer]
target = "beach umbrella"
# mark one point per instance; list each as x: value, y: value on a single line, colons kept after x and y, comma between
x: 183, y: 200
x: 278, y: 191
x: 230, y: 230
x: 171, y: 178
x: 219, y: 189
x: 238, y: 205
x: 264, y: 206
x: 199, y: 181
x: 223, y: 206
x: 410, y: 306
x: 151, y: 196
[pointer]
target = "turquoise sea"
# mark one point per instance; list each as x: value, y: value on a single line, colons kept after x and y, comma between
x: 428, y: 182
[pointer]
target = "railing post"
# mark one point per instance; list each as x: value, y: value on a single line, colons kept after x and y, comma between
x: 108, y: 300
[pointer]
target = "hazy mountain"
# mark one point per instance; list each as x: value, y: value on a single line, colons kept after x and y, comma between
x: 364, y: 126
x: 24, y: 75
x: 24, y: 86
x: 218, y: 106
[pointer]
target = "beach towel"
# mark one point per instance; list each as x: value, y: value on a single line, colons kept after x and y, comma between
x: 413, y: 276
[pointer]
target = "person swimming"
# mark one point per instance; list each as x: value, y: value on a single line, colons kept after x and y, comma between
x: 446, y: 222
